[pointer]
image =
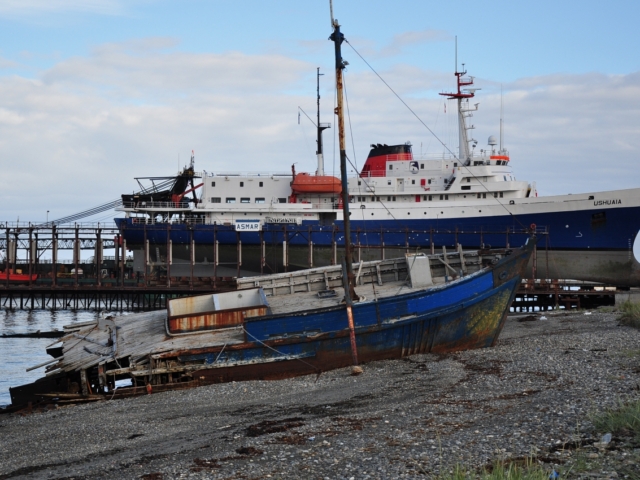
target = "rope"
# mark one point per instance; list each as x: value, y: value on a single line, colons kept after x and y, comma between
x: 280, y: 353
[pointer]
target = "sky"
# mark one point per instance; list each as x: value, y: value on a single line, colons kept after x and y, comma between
x: 94, y: 93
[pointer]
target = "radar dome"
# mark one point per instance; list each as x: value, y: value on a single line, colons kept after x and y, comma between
x: 492, y: 141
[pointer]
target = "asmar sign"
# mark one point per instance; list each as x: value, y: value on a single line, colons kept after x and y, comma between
x: 248, y: 226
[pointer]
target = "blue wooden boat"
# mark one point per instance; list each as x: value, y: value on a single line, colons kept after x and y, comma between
x: 290, y: 324
x: 295, y: 323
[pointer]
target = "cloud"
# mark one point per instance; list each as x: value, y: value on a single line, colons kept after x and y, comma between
x: 76, y: 135
x: 39, y: 7
x: 407, y: 39
x: 142, y: 70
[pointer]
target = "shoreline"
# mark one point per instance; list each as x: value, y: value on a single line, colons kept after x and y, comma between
x: 412, y: 418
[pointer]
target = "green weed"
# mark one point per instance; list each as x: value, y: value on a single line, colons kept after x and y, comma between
x: 624, y: 419
x: 500, y: 471
x: 630, y: 314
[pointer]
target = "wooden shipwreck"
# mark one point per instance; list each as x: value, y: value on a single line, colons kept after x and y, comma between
x: 288, y: 324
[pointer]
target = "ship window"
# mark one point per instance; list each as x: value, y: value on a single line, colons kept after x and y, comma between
x: 390, y: 167
x: 261, y: 184
x: 479, y: 195
x: 282, y: 200
x: 413, y: 182
x: 388, y: 199
x: 466, y: 187
x: 388, y: 182
x: 216, y: 200
x: 242, y: 184
x: 393, y: 198
x: 429, y: 181
x: 505, y: 178
x: 259, y: 199
x: 424, y: 197
x: 495, y: 194
x: 213, y: 184
x: 501, y: 195
x: 422, y: 166
x: 484, y: 195
x: 468, y: 179
x: 446, y: 197
x: 230, y: 200
x: 245, y: 199
x: 441, y: 197
x: 455, y: 164
x: 430, y: 197
x: 359, y: 182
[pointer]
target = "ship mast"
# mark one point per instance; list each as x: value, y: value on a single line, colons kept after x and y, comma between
x: 337, y: 37
x: 463, y: 112
x: 321, y: 127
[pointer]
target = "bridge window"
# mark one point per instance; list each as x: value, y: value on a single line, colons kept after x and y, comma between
x: 259, y: 199
x: 230, y: 200
x: 213, y: 184
x: 282, y: 200
x: 216, y: 200
x: 245, y: 200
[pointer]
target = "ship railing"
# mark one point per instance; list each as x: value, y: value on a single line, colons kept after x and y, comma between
x: 250, y: 174
x: 156, y: 205
x: 162, y: 221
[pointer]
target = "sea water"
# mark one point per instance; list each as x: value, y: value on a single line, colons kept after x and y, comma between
x: 18, y: 354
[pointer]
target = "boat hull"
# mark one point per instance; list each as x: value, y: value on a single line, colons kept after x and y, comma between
x: 465, y: 314
x: 583, y: 237
x: 476, y: 325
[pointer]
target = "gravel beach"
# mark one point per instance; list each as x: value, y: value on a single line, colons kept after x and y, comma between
x: 410, y: 418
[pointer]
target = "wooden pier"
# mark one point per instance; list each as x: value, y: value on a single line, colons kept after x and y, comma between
x: 110, y: 282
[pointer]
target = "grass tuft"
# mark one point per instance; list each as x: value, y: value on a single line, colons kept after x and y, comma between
x: 501, y: 471
x: 630, y: 314
x: 623, y: 419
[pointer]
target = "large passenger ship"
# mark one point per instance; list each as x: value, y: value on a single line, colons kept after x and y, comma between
x: 399, y: 200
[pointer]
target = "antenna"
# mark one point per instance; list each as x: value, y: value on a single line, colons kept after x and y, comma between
x: 456, y: 69
x: 501, y: 116
x: 331, y: 10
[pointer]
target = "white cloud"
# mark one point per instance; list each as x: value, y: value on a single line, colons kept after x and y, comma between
x: 77, y: 135
x: 406, y: 39
x: 38, y: 7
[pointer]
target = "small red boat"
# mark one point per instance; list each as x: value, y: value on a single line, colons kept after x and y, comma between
x: 17, y: 277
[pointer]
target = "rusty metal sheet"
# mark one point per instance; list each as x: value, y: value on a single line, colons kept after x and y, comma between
x: 212, y: 320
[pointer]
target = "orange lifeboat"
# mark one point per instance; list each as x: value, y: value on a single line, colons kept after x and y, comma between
x: 305, y: 183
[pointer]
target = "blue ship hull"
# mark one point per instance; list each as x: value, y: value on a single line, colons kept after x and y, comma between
x: 566, y: 230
